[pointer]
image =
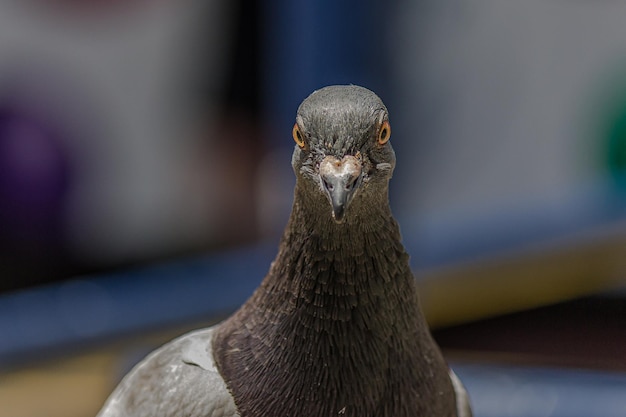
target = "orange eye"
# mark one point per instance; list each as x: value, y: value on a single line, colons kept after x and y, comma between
x: 384, y: 133
x: 297, y: 135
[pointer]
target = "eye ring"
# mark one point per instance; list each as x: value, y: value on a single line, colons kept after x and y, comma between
x: 298, y: 137
x: 384, y: 133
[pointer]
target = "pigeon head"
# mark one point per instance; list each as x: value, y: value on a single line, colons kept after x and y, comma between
x: 342, y: 153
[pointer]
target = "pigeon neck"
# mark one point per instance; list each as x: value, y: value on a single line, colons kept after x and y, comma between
x: 335, y: 327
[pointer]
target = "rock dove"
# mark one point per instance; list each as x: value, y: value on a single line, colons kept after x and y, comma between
x: 335, y: 328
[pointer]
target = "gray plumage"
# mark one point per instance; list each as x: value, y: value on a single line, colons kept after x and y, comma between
x: 178, y: 379
x: 335, y: 328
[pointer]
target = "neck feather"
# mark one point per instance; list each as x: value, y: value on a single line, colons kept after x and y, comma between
x: 335, y: 325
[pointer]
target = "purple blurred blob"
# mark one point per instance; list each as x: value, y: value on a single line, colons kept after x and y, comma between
x: 34, y: 179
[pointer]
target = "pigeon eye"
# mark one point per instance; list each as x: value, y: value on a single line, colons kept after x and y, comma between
x: 297, y: 136
x: 384, y: 133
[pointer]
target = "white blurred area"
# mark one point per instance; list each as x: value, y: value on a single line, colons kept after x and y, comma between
x: 121, y: 83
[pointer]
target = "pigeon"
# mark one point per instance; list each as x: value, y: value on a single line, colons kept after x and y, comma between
x: 335, y: 327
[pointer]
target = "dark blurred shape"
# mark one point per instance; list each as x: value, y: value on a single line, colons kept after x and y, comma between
x: 241, y: 90
x: 35, y: 175
x: 240, y: 126
x: 585, y: 333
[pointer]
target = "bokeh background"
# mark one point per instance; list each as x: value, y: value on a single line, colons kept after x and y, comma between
x: 145, y: 179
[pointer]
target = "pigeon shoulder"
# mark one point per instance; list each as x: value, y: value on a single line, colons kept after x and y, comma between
x: 178, y: 379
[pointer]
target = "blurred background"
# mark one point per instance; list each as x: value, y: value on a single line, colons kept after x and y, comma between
x: 145, y: 179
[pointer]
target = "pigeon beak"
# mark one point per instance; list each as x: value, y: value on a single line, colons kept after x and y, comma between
x: 340, y: 179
